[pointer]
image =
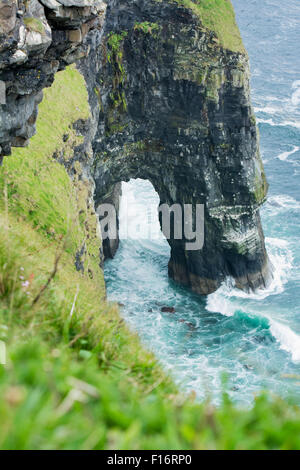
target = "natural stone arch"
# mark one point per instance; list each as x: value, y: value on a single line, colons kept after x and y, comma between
x: 176, y: 110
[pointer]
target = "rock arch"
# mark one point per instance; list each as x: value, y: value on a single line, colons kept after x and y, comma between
x: 175, y: 109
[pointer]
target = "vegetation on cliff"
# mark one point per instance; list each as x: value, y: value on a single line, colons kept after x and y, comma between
x: 217, y: 16
x: 75, y: 377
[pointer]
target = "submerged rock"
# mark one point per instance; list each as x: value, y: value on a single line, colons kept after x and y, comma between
x: 168, y: 310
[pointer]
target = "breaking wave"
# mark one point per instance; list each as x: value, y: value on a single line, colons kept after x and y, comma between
x: 227, y: 299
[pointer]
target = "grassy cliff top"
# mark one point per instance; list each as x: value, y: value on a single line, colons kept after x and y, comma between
x: 218, y: 16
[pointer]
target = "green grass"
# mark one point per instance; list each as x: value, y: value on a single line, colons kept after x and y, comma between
x: 217, y: 16
x: 146, y: 27
x: 75, y: 377
x: 34, y: 24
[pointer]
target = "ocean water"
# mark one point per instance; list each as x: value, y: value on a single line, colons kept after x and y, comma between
x: 254, y: 339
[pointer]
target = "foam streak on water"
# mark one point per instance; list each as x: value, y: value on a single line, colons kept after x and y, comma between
x: 284, y: 155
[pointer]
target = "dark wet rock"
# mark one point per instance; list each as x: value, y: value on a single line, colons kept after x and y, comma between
x: 36, y: 41
x: 190, y: 325
x: 79, y: 258
x: 176, y: 110
x: 168, y: 310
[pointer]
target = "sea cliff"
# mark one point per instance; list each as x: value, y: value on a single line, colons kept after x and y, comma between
x: 158, y: 90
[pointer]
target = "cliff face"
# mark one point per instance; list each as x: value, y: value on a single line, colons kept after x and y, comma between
x: 175, y: 109
x: 169, y: 94
x: 37, y: 38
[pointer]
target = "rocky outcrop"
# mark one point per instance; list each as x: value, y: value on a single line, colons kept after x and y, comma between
x: 37, y: 38
x: 169, y: 94
x: 176, y: 110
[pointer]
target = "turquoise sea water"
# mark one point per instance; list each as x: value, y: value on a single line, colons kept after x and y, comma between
x: 254, y: 338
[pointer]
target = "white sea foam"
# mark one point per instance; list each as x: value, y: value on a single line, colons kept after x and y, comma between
x: 138, y: 212
x: 225, y: 299
x: 271, y: 99
x: 267, y: 109
x: 281, y: 258
x: 279, y: 108
x: 284, y: 156
x: 220, y: 302
x: 266, y: 121
x: 295, y: 99
x: 280, y: 203
x: 287, y: 338
x: 295, y: 124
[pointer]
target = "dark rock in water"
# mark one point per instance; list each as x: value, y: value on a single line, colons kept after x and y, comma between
x: 121, y: 305
x: 150, y: 310
x: 190, y: 325
x: 168, y: 310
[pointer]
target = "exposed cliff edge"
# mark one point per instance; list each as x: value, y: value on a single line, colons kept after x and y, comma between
x: 37, y: 38
x: 169, y: 94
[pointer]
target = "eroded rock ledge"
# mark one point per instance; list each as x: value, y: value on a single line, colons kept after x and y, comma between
x: 170, y: 102
x: 37, y: 38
